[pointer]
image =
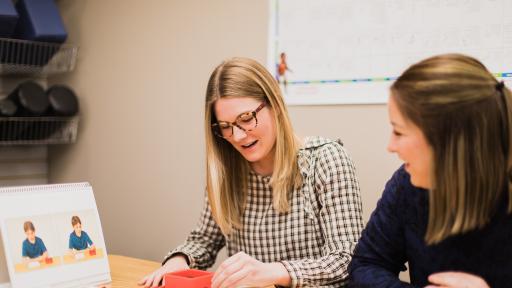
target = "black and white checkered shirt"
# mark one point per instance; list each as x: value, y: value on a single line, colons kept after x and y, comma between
x: 314, y: 240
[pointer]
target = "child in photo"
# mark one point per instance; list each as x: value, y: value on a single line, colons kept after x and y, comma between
x: 33, y: 246
x: 78, y: 239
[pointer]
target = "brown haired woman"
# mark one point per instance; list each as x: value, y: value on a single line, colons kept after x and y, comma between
x: 288, y: 212
x: 447, y: 210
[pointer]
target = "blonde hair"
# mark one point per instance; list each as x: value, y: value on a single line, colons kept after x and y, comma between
x: 226, y: 170
x: 465, y: 115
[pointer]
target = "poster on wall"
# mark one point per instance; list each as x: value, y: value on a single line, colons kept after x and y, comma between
x: 51, y: 236
x: 350, y: 52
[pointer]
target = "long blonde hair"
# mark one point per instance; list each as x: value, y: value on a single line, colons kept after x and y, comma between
x: 465, y: 115
x: 226, y: 170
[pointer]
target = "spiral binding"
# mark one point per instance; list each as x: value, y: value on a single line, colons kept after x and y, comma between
x: 45, y: 187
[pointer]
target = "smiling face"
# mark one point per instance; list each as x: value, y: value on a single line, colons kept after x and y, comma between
x: 257, y: 145
x: 409, y: 143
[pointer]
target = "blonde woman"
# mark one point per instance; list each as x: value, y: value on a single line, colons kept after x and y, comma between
x: 289, y: 212
x: 447, y: 210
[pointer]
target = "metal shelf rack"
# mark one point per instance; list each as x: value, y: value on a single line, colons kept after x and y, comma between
x: 30, y: 58
x: 38, y: 130
x: 21, y: 59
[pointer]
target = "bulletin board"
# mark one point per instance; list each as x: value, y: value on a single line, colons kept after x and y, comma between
x: 349, y: 52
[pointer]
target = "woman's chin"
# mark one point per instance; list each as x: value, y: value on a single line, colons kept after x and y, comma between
x: 252, y: 158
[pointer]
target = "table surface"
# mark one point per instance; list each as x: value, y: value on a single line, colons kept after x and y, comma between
x: 127, y: 271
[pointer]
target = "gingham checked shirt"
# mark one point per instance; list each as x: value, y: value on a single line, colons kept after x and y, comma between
x: 314, y: 240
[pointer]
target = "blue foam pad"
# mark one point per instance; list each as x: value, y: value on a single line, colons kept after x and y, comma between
x: 40, y: 21
x: 8, y: 18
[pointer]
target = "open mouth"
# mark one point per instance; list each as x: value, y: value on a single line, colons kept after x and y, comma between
x: 250, y: 144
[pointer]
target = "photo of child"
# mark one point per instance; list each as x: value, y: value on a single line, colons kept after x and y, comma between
x: 81, y: 242
x: 33, y: 247
x: 79, y: 239
x: 33, y: 243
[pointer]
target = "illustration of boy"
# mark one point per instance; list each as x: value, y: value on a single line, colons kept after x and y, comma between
x: 78, y: 239
x: 33, y: 247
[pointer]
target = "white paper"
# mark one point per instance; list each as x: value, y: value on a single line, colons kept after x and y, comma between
x: 50, y: 208
x: 33, y: 264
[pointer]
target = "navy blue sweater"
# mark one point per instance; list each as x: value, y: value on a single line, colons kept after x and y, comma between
x: 395, y: 235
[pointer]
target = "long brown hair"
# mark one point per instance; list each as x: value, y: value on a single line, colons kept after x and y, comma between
x: 465, y: 115
x: 226, y: 169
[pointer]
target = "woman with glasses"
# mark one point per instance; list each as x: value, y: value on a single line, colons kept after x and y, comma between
x: 288, y: 211
x: 447, y: 210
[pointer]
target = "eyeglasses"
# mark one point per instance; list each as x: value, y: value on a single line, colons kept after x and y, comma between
x: 246, y: 122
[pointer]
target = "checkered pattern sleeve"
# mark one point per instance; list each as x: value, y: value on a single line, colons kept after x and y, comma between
x: 203, y: 243
x: 336, y: 188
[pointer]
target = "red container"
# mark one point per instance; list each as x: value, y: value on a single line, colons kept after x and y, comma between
x: 92, y: 252
x: 188, y: 279
x: 48, y: 260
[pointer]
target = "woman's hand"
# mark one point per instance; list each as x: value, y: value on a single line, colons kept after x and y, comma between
x: 456, y: 280
x: 176, y: 263
x: 243, y: 270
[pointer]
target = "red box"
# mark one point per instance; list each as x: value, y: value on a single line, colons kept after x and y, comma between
x: 92, y: 252
x: 48, y: 260
x: 190, y: 278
